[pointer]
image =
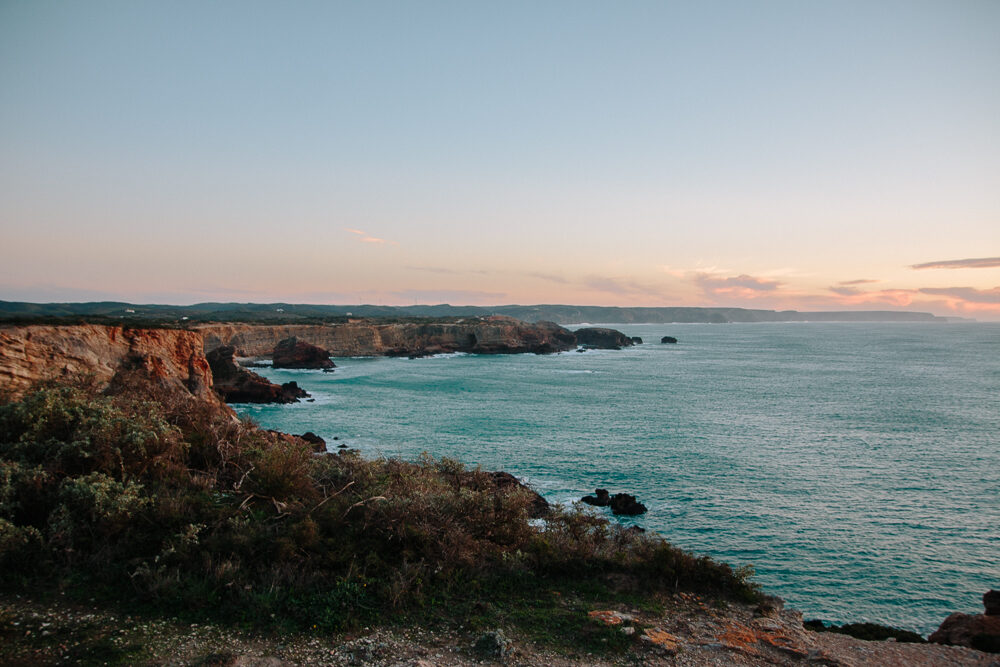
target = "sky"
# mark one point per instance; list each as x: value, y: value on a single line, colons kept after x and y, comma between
x: 774, y: 154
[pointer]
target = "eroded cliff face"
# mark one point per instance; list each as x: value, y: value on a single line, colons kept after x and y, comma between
x: 493, y: 335
x: 174, y: 361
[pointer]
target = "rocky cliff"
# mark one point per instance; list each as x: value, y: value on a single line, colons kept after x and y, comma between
x: 491, y: 335
x: 170, y: 359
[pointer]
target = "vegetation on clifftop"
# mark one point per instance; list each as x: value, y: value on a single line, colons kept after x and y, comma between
x: 184, y: 510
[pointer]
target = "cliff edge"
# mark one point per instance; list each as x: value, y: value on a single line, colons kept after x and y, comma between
x: 170, y: 359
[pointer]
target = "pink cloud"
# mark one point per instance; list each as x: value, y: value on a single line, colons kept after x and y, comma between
x: 365, y: 238
x: 974, y: 263
x: 966, y: 294
x: 742, y: 286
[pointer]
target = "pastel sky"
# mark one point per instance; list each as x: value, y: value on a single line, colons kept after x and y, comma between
x: 772, y: 154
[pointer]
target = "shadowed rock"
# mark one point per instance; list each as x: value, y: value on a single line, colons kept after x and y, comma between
x: 238, y: 385
x: 623, y: 503
x: 602, y: 339
x: 601, y: 499
x: 668, y: 339
x: 979, y: 631
x: 295, y: 353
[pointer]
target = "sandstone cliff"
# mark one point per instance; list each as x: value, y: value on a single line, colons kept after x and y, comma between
x: 492, y: 335
x: 172, y: 360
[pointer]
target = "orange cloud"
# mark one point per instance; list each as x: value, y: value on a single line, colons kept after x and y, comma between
x: 742, y: 286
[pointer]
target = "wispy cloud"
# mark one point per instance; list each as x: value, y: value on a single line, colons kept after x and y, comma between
x: 975, y: 263
x: 743, y: 285
x: 859, y: 281
x: 363, y: 237
x: 967, y: 294
x: 846, y: 290
x: 551, y: 277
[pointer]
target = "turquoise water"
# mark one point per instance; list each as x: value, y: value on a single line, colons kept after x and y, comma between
x: 856, y: 466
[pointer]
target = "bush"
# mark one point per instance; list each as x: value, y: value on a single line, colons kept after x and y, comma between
x: 205, y: 514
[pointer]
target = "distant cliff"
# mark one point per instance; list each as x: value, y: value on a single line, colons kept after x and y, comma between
x: 170, y: 359
x: 491, y: 335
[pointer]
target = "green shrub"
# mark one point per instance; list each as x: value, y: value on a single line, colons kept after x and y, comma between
x: 203, y: 514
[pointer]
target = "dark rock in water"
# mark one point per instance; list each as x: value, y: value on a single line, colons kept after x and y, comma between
x: 318, y: 443
x: 867, y: 631
x: 504, y: 480
x: 293, y: 390
x: 668, y: 339
x: 310, y: 400
x: 620, y: 503
x: 601, y: 338
x: 602, y: 499
x: 991, y: 600
x: 295, y: 353
x: 636, y: 340
x: 238, y: 385
x: 623, y: 503
x: 979, y: 631
x: 341, y: 445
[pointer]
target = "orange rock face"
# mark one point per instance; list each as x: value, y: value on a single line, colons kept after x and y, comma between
x: 172, y: 360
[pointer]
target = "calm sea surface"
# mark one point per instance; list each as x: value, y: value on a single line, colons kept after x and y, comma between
x: 856, y: 466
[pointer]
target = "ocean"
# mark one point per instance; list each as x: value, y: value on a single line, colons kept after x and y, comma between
x: 855, y: 466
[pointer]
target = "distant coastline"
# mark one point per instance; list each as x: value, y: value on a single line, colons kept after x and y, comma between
x: 284, y: 313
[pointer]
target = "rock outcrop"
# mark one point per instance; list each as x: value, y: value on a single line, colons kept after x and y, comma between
x: 668, y: 339
x: 978, y: 631
x: 169, y: 362
x: 601, y: 338
x: 236, y: 384
x: 295, y: 353
x: 620, y: 503
x: 490, y: 335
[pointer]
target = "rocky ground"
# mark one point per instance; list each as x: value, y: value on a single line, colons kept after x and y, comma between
x: 689, y: 631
